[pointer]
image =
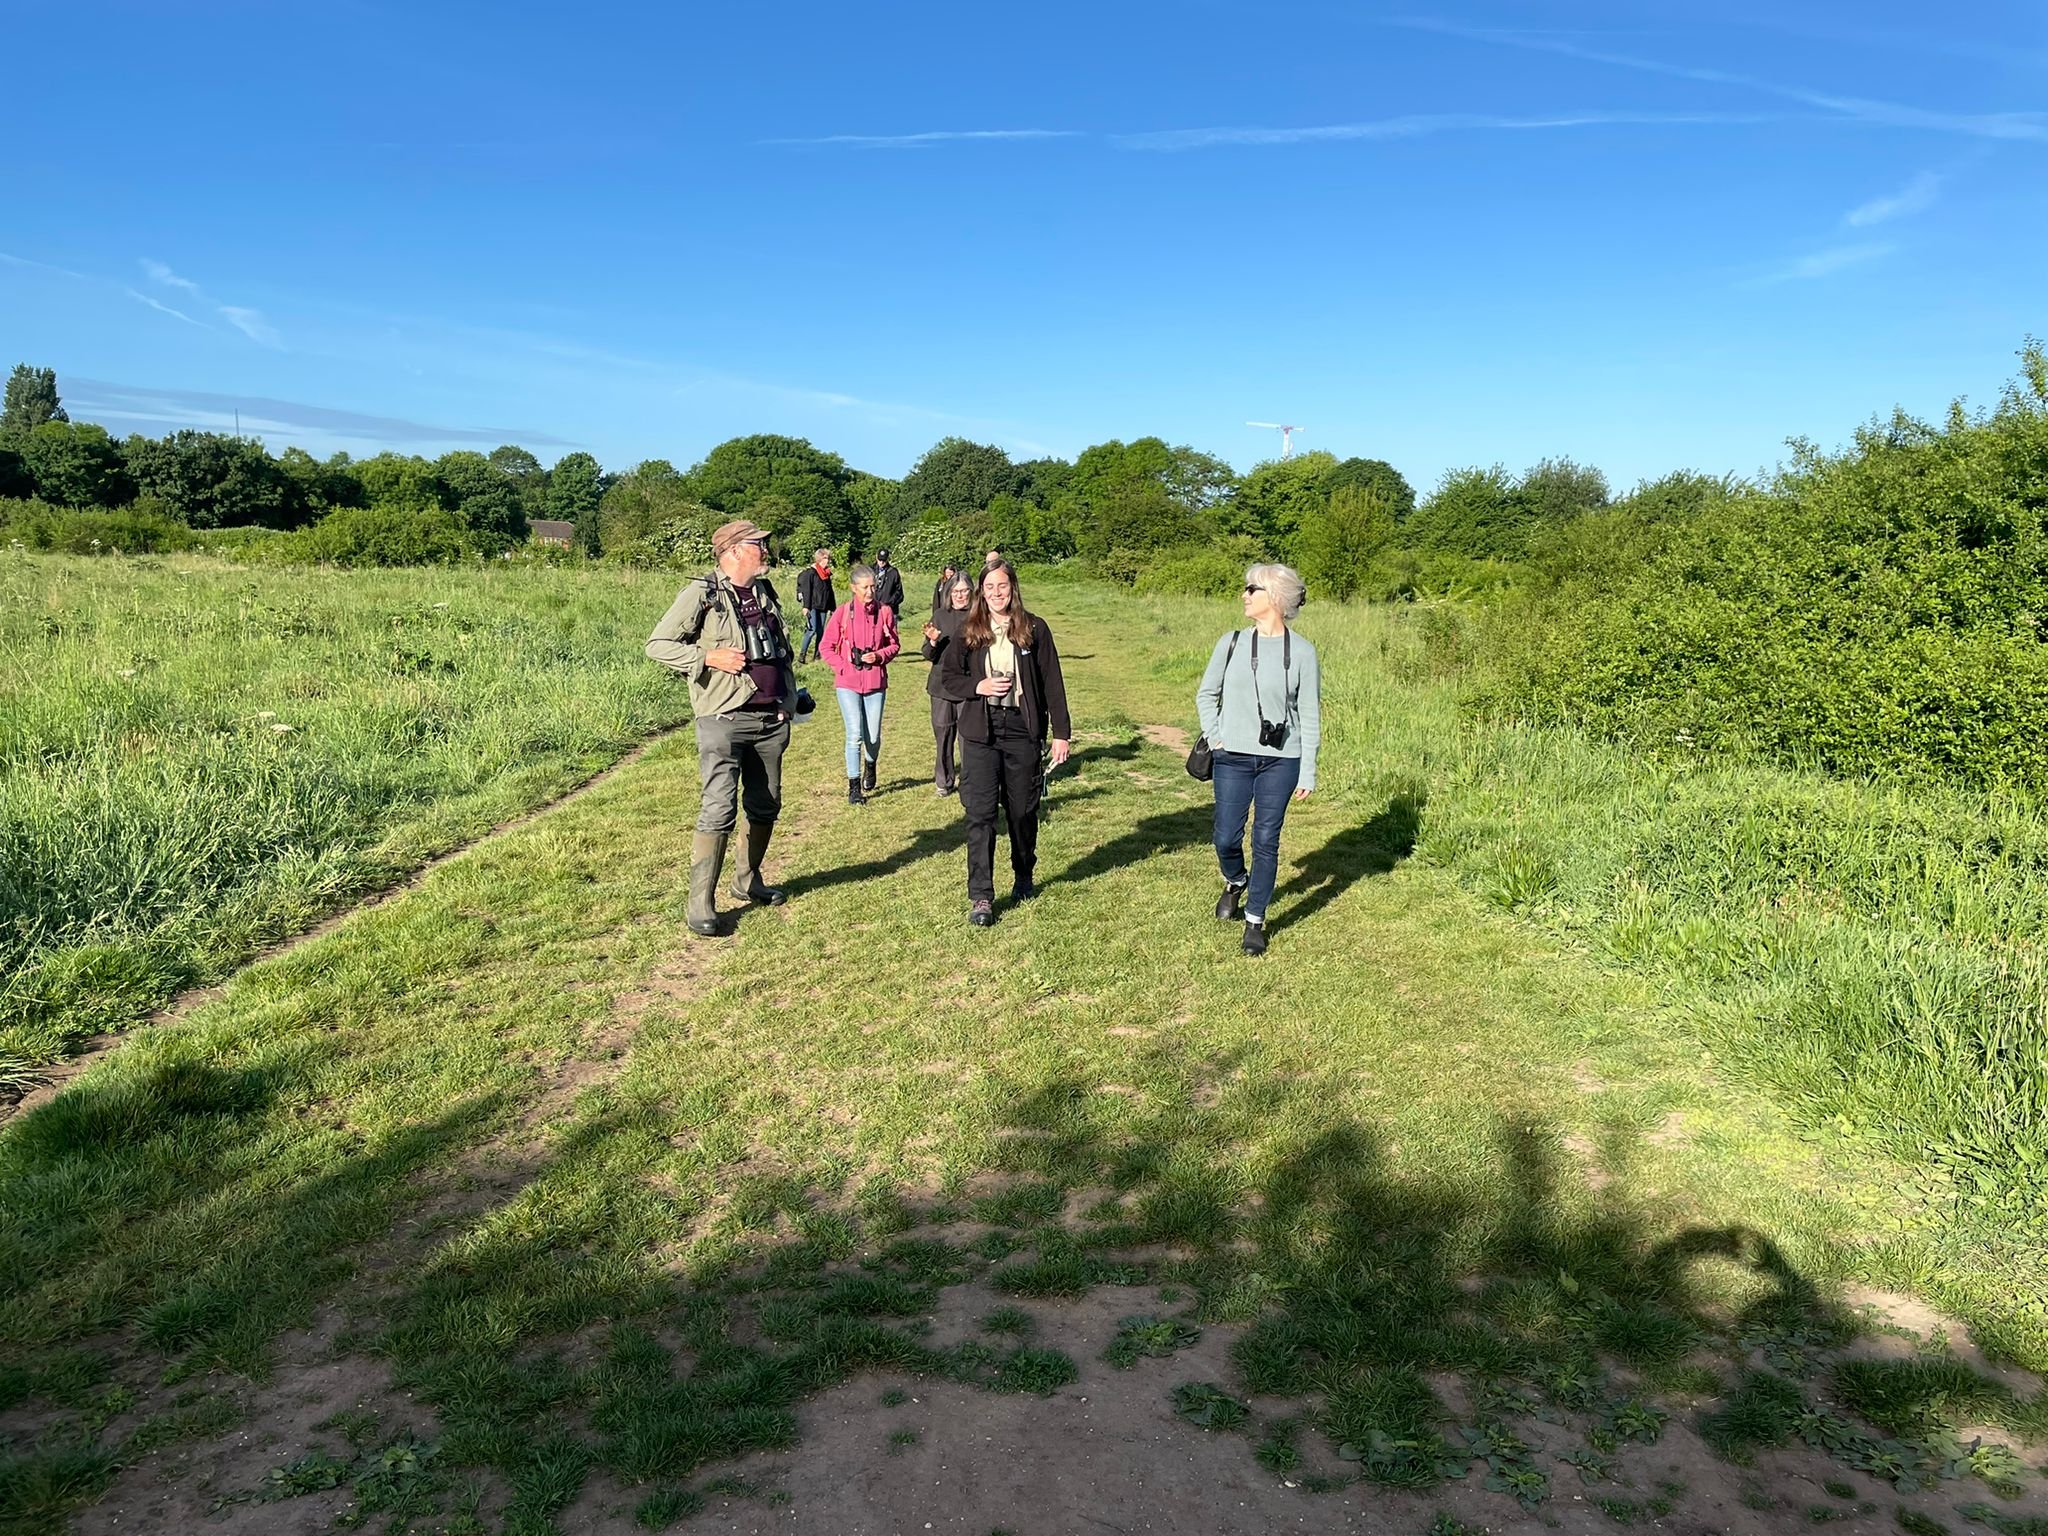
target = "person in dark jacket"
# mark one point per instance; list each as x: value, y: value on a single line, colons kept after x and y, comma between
x: 942, y: 590
x: 942, y: 631
x: 814, y: 595
x: 888, y: 583
x: 1005, y: 671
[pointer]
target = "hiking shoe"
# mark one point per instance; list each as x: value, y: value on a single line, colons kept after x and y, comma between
x: 982, y: 914
x: 853, y: 794
x: 1023, y: 890
x: 1231, y: 907
x: 1254, y: 938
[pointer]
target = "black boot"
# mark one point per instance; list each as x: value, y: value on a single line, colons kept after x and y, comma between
x: 1254, y: 938
x: 853, y: 794
x: 867, y: 776
x: 1231, y: 907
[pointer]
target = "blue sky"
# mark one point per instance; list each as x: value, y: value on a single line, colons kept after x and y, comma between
x: 1440, y: 235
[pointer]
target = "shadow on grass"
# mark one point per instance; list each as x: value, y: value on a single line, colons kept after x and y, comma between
x: 1375, y: 847
x: 1151, y: 835
x: 604, y: 1318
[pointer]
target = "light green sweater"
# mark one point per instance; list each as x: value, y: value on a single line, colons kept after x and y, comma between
x: 1230, y: 714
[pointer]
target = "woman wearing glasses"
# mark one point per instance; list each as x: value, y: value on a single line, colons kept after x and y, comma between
x: 1261, y: 707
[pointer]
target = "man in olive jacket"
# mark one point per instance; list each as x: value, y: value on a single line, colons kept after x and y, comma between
x: 724, y: 635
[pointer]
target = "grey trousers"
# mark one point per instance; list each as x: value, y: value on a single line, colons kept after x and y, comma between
x: 946, y: 733
x: 739, y: 759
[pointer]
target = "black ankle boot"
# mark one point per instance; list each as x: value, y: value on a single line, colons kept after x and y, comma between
x: 853, y: 794
x: 1254, y: 938
x: 1231, y: 907
x: 867, y: 776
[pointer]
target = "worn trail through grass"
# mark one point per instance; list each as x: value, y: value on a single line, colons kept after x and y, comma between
x: 507, y: 1205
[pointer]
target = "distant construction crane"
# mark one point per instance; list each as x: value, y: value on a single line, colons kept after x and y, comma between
x: 1286, y: 435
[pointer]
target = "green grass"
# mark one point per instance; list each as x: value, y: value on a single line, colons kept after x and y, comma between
x: 612, y: 1202
x: 197, y: 759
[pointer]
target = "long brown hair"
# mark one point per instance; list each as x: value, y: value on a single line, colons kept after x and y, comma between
x: 979, y: 629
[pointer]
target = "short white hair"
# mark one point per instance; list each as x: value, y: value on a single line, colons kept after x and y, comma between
x: 859, y: 574
x: 1283, y: 585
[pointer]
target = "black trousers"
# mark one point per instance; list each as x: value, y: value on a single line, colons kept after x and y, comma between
x: 945, y: 732
x: 1006, y: 770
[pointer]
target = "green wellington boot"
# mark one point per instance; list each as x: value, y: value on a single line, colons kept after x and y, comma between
x: 747, y: 884
x: 707, y: 856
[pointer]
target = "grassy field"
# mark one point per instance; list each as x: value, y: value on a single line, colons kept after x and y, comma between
x: 197, y: 759
x: 1464, y: 1180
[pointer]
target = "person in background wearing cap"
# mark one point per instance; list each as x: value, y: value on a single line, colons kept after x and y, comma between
x: 888, y: 583
x: 815, y: 596
x: 724, y: 634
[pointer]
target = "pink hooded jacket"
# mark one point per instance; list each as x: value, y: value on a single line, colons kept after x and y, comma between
x: 851, y: 630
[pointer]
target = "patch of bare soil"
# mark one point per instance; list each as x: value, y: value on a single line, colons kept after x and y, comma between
x: 183, y: 1487
x: 1108, y: 1453
x: 1915, y: 1327
x: 1171, y: 737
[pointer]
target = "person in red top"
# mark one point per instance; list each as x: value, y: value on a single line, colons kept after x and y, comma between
x: 860, y: 642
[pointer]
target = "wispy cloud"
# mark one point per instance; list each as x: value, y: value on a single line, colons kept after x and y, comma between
x: 1818, y: 264
x: 1916, y: 196
x: 41, y: 266
x: 248, y: 321
x: 160, y: 307
x: 1984, y: 125
x: 169, y: 408
x: 1421, y: 125
x: 926, y: 140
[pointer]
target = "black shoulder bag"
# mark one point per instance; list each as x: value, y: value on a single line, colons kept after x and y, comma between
x: 1202, y: 756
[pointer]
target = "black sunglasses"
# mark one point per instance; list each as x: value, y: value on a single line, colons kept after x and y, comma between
x: 1249, y: 590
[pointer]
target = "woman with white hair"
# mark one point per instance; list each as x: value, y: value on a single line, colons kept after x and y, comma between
x: 1261, y: 708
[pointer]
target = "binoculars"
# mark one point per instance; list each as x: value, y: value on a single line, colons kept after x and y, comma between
x: 1273, y: 733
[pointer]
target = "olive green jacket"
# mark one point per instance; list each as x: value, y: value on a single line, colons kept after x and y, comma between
x: 700, y: 620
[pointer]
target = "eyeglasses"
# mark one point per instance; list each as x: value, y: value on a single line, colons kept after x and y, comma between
x: 1248, y: 591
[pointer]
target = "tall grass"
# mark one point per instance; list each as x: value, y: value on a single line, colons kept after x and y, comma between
x: 195, y: 758
x: 1869, y: 952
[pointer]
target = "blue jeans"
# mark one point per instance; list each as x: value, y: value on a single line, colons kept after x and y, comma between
x: 1248, y: 784
x: 862, y: 713
x: 814, y: 631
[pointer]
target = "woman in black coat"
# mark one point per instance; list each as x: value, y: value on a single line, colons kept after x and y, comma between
x: 949, y: 612
x: 1004, y: 670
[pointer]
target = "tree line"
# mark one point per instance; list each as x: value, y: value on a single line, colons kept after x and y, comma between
x: 1143, y: 512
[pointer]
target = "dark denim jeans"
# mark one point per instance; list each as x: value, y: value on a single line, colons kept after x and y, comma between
x: 1248, y: 784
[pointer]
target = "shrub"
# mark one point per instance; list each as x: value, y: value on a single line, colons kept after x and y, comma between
x: 1211, y: 570
x: 384, y: 535
x: 135, y: 530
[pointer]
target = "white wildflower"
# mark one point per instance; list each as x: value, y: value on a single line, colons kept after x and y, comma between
x: 281, y: 728
x: 125, y: 672
x: 266, y: 714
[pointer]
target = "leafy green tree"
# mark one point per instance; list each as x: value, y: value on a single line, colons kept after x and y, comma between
x: 213, y: 480
x: 529, y: 480
x: 1279, y: 495
x: 959, y: 475
x: 872, y: 500
x: 1044, y: 479
x: 75, y: 464
x: 738, y: 473
x: 15, y: 479
x: 1198, y: 481
x: 387, y: 534
x: 322, y: 484
x: 645, y: 498
x: 31, y: 399
x: 398, y: 480
x: 485, y: 498
x: 1474, y: 512
x: 1379, y: 476
x: 1338, y: 542
x: 1557, y: 490
x: 575, y: 489
x: 776, y: 513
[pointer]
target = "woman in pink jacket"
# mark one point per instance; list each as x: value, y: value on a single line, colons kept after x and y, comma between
x: 860, y: 642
